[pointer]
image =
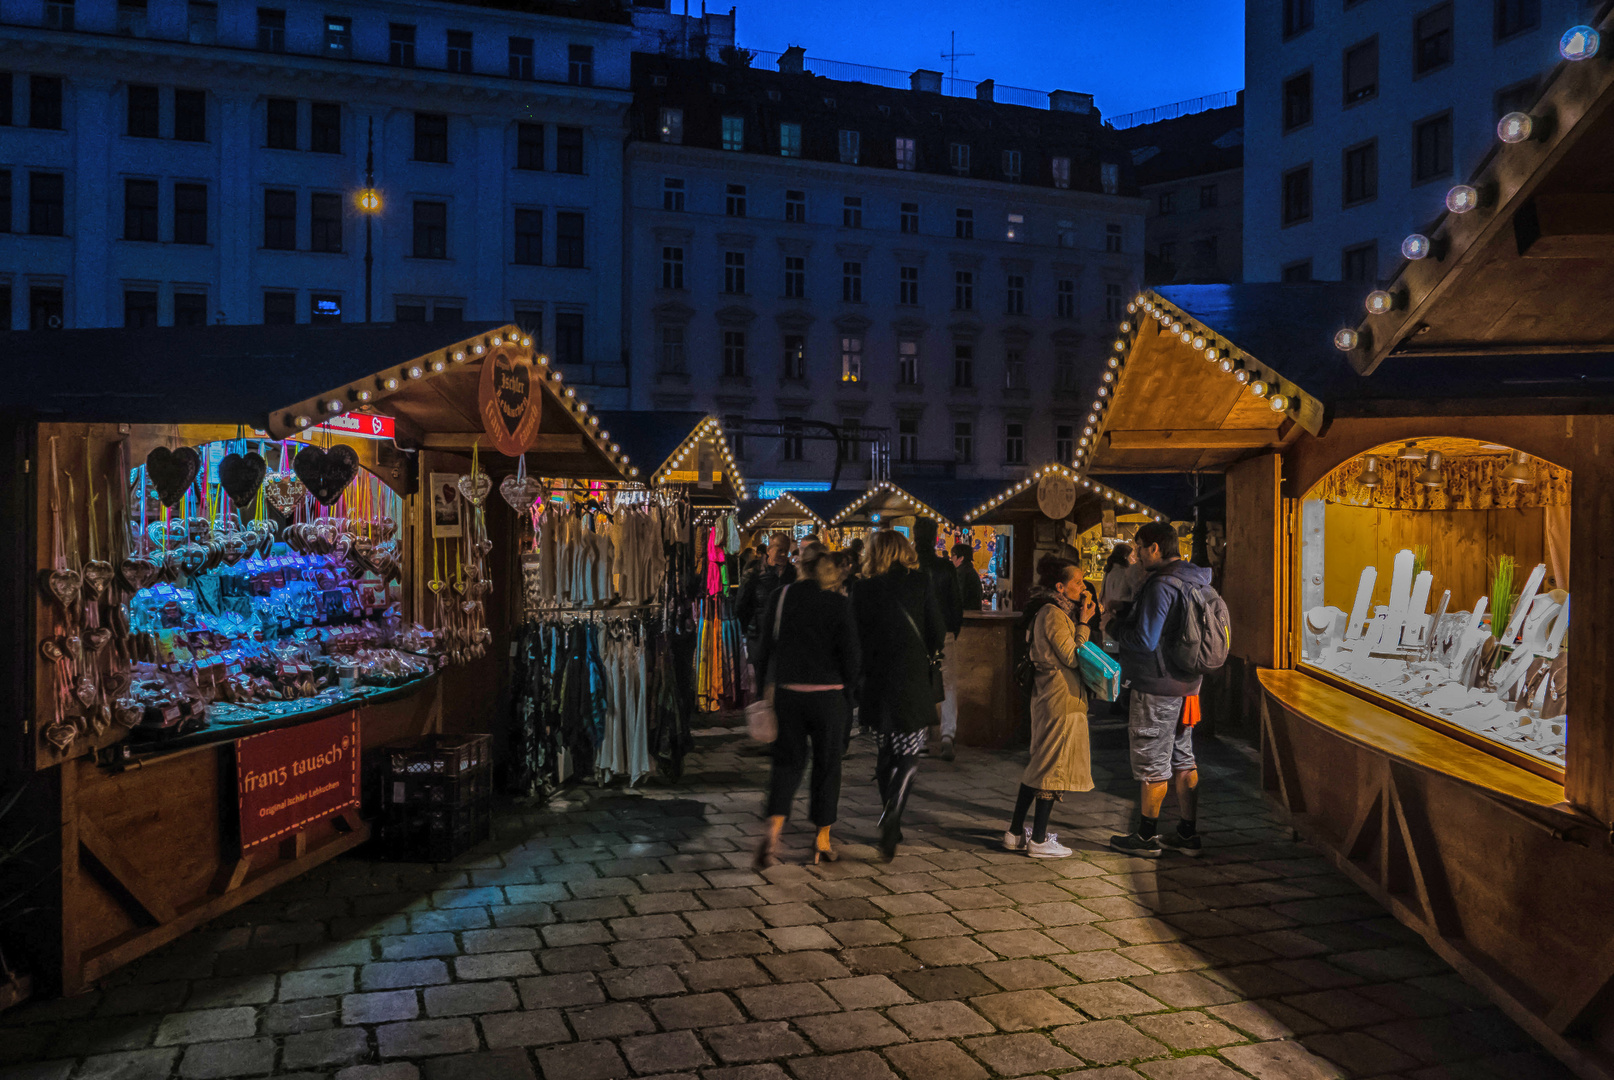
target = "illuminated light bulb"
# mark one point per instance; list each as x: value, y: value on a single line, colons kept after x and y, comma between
x: 1109, y: 376
x: 1176, y: 328
x: 1415, y: 246
x: 438, y: 365
x: 415, y: 371
x: 1515, y: 127
x: 582, y: 407
x: 1259, y: 388
x: 543, y: 361
x: 497, y: 341
x: 1126, y: 327
x: 1139, y: 299
x: 1579, y: 43
x: 1379, y: 302
x: 635, y: 471
x: 1088, y: 430
x: 302, y: 422
x: 1120, y: 346
x: 1103, y: 391
x: 361, y: 395
x: 595, y: 421
x: 1115, y: 361
x: 1198, y: 343
x: 479, y: 349
x: 1082, y: 441
x: 333, y: 406
x: 1212, y: 354
x: 615, y: 449
x: 570, y: 392
x: 390, y: 383
x: 554, y: 376
x: 1226, y: 364
x: 526, y: 343
x: 1279, y: 402
x: 1187, y: 336
x: 1461, y: 199
x: 1132, y: 309
x: 1347, y: 339
x: 1241, y: 375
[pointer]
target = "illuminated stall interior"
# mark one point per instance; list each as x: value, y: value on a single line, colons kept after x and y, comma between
x: 796, y: 513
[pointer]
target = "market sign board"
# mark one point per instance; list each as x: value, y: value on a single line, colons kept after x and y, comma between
x: 288, y: 779
x: 508, y: 403
x: 1056, y: 496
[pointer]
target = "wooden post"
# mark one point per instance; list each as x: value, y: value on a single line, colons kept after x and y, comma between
x: 1252, y: 578
x: 1589, y: 765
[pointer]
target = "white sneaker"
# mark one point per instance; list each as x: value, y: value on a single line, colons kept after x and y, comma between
x: 1015, y: 842
x: 1050, y: 848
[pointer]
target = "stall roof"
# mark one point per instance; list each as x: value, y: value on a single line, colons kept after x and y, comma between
x: 817, y: 507
x: 1164, y: 496
x: 660, y: 440
x: 947, y: 501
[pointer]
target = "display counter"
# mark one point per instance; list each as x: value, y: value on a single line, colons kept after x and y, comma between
x: 991, y: 712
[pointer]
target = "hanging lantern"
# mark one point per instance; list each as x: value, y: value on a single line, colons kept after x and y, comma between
x: 1518, y: 470
x: 1370, y: 476
x: 1432, y: 477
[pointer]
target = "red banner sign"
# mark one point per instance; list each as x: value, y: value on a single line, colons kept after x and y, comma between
x: 288, y: 779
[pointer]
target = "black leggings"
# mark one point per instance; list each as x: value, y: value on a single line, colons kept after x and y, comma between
x: 1039, y: 822
x: 818, y: 717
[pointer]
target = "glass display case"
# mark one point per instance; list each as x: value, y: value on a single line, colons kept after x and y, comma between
x: 1434, y: 573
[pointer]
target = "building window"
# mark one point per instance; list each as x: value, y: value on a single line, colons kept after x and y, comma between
x: 5, y: 227
x: 1297, y: 101
x: 279, y: 308
x: 849, y: 447
x: 1109, y: 177
x: 140, y: 210
x: 1431, y: 149
x: 734, y: 354
x: 1362, y: 71
x: 338, y: 36
x: 908, y: 219
x: 190, y: 309
x: 964, y: 366
x: 1014, y: 444
x: 734, y: 200
x: 45, y: 193
x: 1014, y: 370
x: 1516, y: 17
x: 1112, y: 301
x: 790, y: 140
x: 190, y: 213
x: 1360, y: 264
x: 851, y: 146
x: 1432, y: 40
x: 58, y: 16
x: 852, y: 212
x: 672, y: 193
x: 672, y: 126
x: 1065, y: 298
x: 569, y: 350
x: 324, y: 309
x: 963, y: 224
x: 1166, y: 203
x: 1065, y: 371
x: 963, y: 442
x: 139, y: 309
x: 45, y: 308
x: 1015, y: 291
x: 401, y: 44
x: 795, y: 277
x: 325, y: 127
x: 142, y: 120
x: 1297, y: 271
x: 852, y: 282
x: 409, y: 313
x: 569, y: 149
x: 963, y: 290
x: 1297, y: 17
x: 907, y: 154
x: 1297, y: 195
x: 908, y: 439
x: 734, y: 272
x: 272, y: 30
x: 530, y: 240
x: 734, y: 133
x: 580, y: 65
x: 431, y: 230
x: 446, y: 313
x: 672, y: 268
x: 672, y: 349
x: 1208, y: 196
x: 190, y: 115
x: 45, y: 102
x: 569, y: 240
x: 1011, y: 164
x: 1061, y: 172
x: 1015, y: 228
x: 431, y: 137
x: 795, y: 357
x: 1362, y: 173
x: 796, y: 206
x: 532, y: 321
x: 908, y: 363
x: 1112, y: 239
x: 521, y: 58
x: 280, y: 132
x: 1516, y: 98
x: 958, y: 158
x: 792, y: 450
x: 851, y: 359
x: 459, y: 51
x: 733, y: 431
x: 907, y: 284
x: 530, y: 147
x: 1064, y: 442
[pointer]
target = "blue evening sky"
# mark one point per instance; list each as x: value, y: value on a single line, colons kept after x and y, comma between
x: 1130, y: 54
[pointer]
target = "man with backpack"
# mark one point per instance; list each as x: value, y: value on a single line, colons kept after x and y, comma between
x: 1171, y: 635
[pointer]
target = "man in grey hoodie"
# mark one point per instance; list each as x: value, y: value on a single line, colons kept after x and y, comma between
x: 1161, y: 743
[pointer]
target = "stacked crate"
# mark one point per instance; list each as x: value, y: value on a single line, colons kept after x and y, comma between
x: 437, y: 798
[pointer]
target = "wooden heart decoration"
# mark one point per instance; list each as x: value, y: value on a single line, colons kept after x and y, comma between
x: 475, y: 488
x: 284, y: 491
x: 326, y: 472
x: 63, y: 585
x: 138, y: 572
x: 172, y: 472
x: 97, y: 574
x: 241, y: 475
x: 508, y: 403
x: 521, y: 492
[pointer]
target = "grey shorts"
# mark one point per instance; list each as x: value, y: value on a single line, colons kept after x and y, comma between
x: 1161, y: 745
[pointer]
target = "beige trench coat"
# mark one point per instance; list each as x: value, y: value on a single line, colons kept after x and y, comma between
x: 1061, y: 757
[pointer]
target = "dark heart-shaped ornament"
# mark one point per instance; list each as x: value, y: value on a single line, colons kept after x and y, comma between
x: 84, y: 690
x: 138, y: 572
x: 52, y: 650
x: 172, y: 472
x: 63, y: 585
x: 61, y: 734
x: 97, y: 575
x: 234, y: 546
x: 97, y: 638
x: 128, y: 713
x: 521, y: 492
x: 241, y: 475
x: 326, y: 472
x: 284, y: 491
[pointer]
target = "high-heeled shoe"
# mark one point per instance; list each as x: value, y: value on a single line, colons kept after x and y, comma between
x: 824, y: 855
x: 767, y: 853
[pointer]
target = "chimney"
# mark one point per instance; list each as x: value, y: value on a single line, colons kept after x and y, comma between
x: 1070, y: 101
x: 794, y: 61
x: 928, y: 82
x: 983, y: 90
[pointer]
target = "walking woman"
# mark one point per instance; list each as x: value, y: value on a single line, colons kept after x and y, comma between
x: 809, y: 646
x: 1060, y: 753
x: 900, y: 625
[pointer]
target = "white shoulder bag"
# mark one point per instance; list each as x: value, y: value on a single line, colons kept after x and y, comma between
x: 761, y: 722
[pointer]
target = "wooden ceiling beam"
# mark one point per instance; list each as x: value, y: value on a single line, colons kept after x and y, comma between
x: 541, y: 444
x: 1218, y: 439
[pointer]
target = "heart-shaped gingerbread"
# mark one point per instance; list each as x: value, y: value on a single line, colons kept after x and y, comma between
x: 138, y: 572
x: 284, y: 491
x: 63, y: 585
x: 52, y: 650
x: 128, y: 713
x: 521, y: 492
x: 60, y: 734
x: 172, y: 472
x: 97, y: 638
x: 326, y: 472
x: 241, y: 475
x: 234, y: 547
x: 475, y: 487
x: 84, y: 689
x: 97, y: 576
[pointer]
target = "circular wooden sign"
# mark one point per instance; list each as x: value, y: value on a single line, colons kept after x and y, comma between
x: 509, y: 401
x: 1056, y: 496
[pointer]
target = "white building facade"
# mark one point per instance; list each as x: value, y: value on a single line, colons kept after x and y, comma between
x: 1361, y: 114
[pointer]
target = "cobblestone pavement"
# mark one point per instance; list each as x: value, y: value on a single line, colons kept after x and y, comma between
x: 616, y: 934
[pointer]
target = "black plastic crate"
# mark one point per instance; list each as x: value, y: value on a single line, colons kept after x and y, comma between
x: 439, y: 755
x: 416, y: 834
x: 437, y: 796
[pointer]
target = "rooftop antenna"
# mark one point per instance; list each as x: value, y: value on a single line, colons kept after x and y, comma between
x: 952, y: 56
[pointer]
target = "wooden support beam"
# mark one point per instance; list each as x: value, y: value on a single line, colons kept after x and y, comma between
x: 1276, y: 738
x: 1214, y: 439
x: 125, y: 875
x: 1566, y: 226
x: 541, y: 444
x: 231, y: 877
x: 294, y: 846
x: 1429, y: 879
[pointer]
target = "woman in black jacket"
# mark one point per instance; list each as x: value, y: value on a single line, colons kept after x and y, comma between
x: 900, y: 625
x: 813, y: 662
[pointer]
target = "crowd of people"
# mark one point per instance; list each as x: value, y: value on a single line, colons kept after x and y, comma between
x: 862, y: 636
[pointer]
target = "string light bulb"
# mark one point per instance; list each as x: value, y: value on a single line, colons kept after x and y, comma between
x: 1226, y: 364
x: 302, y: 422
x: 1515, y: 127
x: 1462, y: 198
x: 1579, y: 43
x: 1379, y: 302
x: 1212, y: 354
x: 1347, y: 339
x: 390, y: 383
x: 1199, y: 343
x: 1242, y: 375
x: 1260, y: 388
x: 414, y: 371
x: 1279, y: 402
x: 438, y: 365
x: 1415, y: 247
x: 333, y: 406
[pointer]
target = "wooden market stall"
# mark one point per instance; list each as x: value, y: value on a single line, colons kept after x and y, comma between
x: 130, y: 738
x: 793, y: 510
x: 687, y: 449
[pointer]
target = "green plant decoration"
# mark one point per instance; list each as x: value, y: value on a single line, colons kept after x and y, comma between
x: 1502, y: 594
x: 1420, y: 559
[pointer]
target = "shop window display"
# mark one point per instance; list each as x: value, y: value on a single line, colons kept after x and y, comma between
x: 1434, y: 573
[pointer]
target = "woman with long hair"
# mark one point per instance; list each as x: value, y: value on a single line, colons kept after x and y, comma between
x: 809, y: 648
x: 1060, y: 754
x: 1120, y: 582
x: 900, y: 626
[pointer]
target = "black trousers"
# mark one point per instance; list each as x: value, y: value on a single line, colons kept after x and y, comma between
x: 817, y: 718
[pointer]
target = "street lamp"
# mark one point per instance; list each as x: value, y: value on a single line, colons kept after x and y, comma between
x: 369, y: 203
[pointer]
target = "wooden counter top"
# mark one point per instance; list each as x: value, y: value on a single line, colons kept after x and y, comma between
x: 1403, y: 740
x: 987, y: 616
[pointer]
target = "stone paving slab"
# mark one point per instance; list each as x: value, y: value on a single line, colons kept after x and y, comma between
x: 613, y: 934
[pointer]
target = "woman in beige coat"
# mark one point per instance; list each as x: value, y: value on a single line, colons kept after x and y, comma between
x: 1060, y: 754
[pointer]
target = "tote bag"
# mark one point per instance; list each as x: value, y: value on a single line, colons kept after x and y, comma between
x: 761, y: 722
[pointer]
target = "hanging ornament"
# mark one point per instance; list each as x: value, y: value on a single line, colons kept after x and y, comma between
x: 241, y: 475
x: 521, y: 490
x: 325, y: 473
x: 172, y: 472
